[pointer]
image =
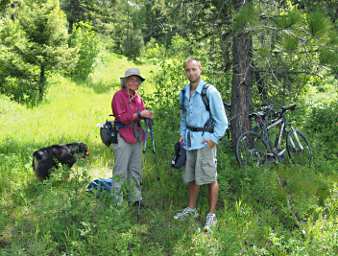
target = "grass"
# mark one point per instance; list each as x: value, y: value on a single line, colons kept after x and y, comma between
x: 58, y: 217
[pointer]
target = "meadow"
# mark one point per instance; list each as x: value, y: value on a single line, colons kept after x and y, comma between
x: 58, y: 216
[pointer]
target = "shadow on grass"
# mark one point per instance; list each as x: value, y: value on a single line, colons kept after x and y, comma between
x: 99, y: 87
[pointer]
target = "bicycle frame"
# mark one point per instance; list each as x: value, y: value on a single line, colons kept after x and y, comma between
x: 281, y: 122
x: 276, y: 149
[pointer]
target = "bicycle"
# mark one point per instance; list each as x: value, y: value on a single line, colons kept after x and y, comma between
x: 255, y: 146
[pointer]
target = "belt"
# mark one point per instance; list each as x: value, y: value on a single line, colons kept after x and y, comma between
x: 119, y: 124
x: 200, y: 129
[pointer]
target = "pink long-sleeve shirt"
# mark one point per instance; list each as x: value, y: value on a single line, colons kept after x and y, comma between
x: 124, y: 107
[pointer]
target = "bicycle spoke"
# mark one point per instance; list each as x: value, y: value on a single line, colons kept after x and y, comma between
x: 298, y: 148
x: 250, y: 150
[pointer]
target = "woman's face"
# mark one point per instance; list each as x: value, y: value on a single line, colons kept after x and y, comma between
x: 133, y: 82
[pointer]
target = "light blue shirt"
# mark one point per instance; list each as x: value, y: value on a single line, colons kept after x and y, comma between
x: 194, y: 114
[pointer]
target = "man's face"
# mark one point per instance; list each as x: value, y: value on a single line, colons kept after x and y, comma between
x: 193, y: 71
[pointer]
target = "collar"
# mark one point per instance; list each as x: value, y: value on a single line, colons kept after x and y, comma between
x: 200, y: 86
x: 198, y: 89
x: 125, y: 92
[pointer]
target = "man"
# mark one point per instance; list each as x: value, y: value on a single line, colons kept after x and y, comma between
x: 201, y: 128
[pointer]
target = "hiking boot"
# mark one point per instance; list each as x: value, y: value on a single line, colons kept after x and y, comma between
x: 139, y: 204
x: 210, y: 221
x: 186, y: 212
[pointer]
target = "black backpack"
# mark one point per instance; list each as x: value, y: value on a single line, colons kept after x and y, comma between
x: 179, y: 158
x: 108, y: 133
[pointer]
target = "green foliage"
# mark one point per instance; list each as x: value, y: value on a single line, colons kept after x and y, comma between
x: 33, y: 44
x: 246, y: 18
x: 18, y: 78
x: 319, y: 24
x: 153, y: 52
x: 132, y: 43
x: 328, y: 54
x: 87, y: 43
x: 126, y: 31
x: 98, y: 13
x: 292, y: 53
x: 322, y: 125
x: 289, y: 19
x: 289, y: 43
x: 128, y: 40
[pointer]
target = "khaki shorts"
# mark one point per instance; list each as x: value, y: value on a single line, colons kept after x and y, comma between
x: 201, y: 166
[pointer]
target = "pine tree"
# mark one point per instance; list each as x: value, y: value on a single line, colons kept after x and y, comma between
x: 35, y: 44
x: 97, y: 13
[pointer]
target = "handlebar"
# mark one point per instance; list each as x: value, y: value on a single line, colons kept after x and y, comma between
x: 283, y: 110
x: 264, y: 110
x: 291, y: 107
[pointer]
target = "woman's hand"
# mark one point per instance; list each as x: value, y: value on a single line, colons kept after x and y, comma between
x: 146, y: 114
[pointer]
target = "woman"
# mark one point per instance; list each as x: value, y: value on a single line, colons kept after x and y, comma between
x: 128, y: 109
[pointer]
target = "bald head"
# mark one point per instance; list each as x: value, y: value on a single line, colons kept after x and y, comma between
x: 192, y: 60
x: 193, y: 70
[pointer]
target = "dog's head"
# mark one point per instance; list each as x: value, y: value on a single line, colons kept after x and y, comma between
x: 79, y: 148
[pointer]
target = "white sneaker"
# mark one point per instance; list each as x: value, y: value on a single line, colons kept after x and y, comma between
x: 210, y: 221
x: 186, y: 212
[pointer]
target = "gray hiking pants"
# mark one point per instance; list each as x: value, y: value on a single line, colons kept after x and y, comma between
x: 127, y: 169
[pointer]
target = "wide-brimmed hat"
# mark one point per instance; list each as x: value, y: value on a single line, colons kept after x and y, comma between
x: 131, y: 72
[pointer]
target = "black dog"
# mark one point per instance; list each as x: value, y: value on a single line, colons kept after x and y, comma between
x: 45, y: 159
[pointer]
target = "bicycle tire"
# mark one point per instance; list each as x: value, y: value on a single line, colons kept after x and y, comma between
x: 250, y: 149
x: 299, y: 150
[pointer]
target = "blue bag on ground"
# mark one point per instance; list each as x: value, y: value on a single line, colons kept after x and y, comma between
x: 100, y: 185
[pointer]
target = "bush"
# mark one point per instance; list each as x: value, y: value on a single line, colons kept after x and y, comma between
x: 322, y: 124
x: 18, y: 79
x: 153, y: 52
x: 132, y: 43
x: 85, y: 39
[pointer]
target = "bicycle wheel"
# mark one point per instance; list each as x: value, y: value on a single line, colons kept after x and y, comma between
x: 298, y: 148
x: 250, y: 149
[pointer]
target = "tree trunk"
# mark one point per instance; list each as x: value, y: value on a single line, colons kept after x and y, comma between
x: 262, y: 88
x: 70, y: 26
x: 74, y: 14
x: 241, y: 82
x: 42, y: 82
x: 226, y: 51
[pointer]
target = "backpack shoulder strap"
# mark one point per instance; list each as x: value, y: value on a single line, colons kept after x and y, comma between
x: 204, y: 96
x: 182, y: 95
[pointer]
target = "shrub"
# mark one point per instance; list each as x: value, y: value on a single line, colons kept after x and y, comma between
x: 87, y: 42
x: 153, y: 52
x: 132, y: 43
x: 322, y: 124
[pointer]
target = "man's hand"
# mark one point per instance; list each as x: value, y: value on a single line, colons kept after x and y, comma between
x: 210, y: 143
